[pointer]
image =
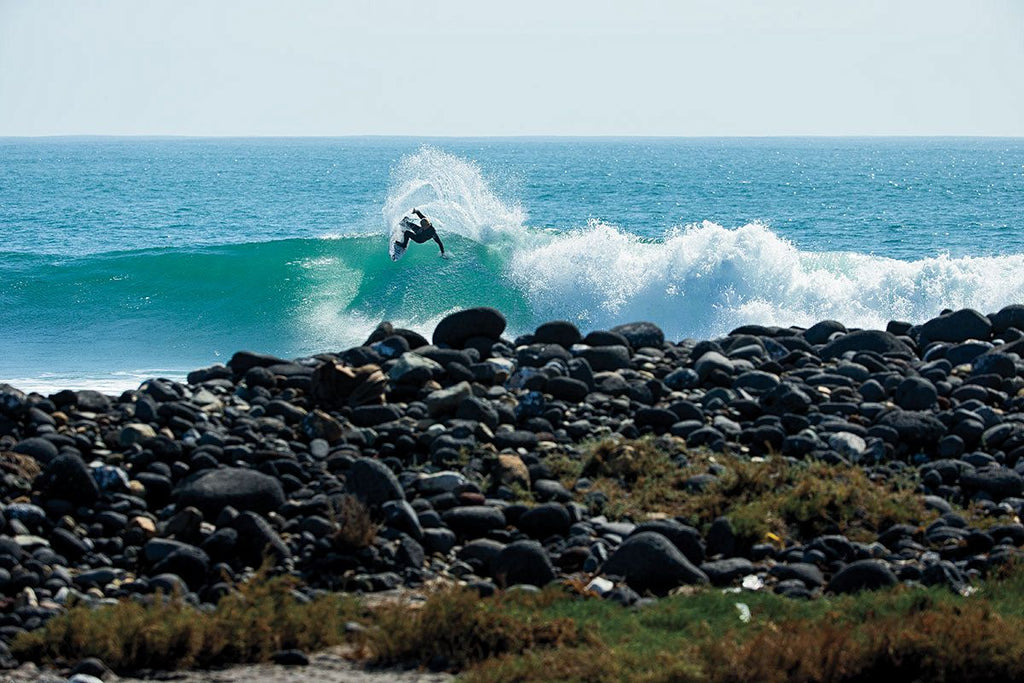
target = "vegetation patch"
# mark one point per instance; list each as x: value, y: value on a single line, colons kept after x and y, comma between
x: 455, y: 628
x: 788, y: 498
x: 249, y: 625
x: 356, y: 528
x: 559, y: 634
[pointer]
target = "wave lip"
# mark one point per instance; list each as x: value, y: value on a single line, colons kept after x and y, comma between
x: 454, y: 194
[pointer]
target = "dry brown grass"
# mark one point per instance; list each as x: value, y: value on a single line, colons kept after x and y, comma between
x: 968, y: 642
x: 356, y: 528
x: 262, y: 617
x: 455, y: 628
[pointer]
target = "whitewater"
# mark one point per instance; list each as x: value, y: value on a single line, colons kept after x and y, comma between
x: 133, y: 301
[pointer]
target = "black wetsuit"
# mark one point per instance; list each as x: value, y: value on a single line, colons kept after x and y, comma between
x: 423, y: 233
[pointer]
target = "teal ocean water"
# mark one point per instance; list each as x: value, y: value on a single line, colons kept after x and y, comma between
x: 127, y: 258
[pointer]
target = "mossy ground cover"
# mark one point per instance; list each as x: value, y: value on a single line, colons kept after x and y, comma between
x: 765, y: 498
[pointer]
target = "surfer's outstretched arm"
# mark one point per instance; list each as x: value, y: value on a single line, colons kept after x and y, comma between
x: 438, y: 240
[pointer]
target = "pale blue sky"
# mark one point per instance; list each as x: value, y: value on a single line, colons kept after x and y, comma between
x: 528, y: 67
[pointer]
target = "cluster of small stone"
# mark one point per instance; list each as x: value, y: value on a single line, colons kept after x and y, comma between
x: 189, y: 487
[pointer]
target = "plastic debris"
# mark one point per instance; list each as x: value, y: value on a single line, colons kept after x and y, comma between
x: 744, y: 611
x: 752, y: 582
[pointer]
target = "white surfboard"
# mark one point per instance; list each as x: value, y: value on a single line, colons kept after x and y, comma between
x: 395, y: 249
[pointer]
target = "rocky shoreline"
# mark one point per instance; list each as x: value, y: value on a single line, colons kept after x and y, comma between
x: 406, y: 461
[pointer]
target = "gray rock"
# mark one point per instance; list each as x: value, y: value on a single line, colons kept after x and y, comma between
x: 445, y: 401
x: 412, y: 368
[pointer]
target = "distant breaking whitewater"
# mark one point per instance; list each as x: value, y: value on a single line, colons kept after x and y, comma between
x: 172, y: 304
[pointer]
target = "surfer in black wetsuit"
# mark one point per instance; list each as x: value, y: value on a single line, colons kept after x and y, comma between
x: 419, y: 234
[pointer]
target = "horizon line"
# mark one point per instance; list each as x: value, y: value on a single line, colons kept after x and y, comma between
x: 536, y: 136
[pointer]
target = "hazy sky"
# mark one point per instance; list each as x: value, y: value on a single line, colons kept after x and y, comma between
x: 527, y: 67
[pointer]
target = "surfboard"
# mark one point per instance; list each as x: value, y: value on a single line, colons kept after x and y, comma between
x: 396, y: 250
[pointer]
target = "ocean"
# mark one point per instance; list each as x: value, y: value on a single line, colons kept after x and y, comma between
x: 126, y: 258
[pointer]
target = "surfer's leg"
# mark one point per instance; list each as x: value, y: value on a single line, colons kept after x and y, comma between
x: 405, y: 242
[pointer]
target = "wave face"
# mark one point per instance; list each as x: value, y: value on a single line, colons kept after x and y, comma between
x: 186, y: 306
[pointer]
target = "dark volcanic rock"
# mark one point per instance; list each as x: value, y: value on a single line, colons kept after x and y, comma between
x: 68, y: 478
x: 522, y: 562
x: 641, y: 334
x: 473, y: 521
x: 865, y: 340
x: 210, y: 491
x: 998, y: 482
x: 819, y: 333
x: 914, y: 429
x: 456, y: 328
x: 561, y: 332
x: 1007, y: 317
x: 336, y: 385
x: 956, y: 327
x: 862, y: 575
x: 685, y: 538
x: 605, y: 358
x: 567, y: 389
x: 372, y: 482
x: 724, y: 572
x: 916, y: 393
x: 650, y: 563
x: 40, y: 449
x: 257, y: 539
x: 190, y: 563
x: 242, y: 361
x: 549, y: 519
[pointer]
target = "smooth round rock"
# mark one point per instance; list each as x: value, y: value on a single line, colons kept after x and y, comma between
x: 523, y: 562
x: 212, y: 490
x: 649, y: 563
x: 862, y: 575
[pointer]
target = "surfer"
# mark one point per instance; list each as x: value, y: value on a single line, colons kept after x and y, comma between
x: 418, y: 233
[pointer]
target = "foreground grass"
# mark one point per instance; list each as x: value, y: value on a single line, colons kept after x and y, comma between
x: 264, y: 616
x: 901, y: 634
x: 560, y: 634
